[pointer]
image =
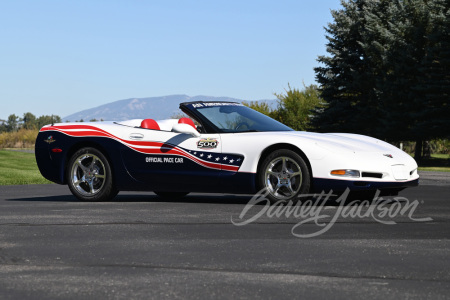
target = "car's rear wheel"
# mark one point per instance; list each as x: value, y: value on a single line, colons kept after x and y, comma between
x: 284, y: 175
x: 171, y: 195
x: 89, y: 176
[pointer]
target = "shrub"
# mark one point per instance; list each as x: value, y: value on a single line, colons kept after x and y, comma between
x: 23, y: 138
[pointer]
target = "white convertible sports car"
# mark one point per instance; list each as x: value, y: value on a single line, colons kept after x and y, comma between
x: 229, y: 148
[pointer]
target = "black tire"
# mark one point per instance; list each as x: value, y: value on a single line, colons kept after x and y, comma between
x: 89, y: 176
x: 171, y: 195
x: 285, y: 175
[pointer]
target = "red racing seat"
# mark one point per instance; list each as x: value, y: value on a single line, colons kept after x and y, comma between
x: 149, y: 124
x: 187, y: 121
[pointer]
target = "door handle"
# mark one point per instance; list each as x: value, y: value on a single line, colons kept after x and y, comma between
x: 136, y: 136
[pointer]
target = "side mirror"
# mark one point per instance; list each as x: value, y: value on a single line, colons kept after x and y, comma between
x: 185, y: 128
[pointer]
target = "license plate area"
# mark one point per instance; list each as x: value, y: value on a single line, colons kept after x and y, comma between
x: 399, y: 172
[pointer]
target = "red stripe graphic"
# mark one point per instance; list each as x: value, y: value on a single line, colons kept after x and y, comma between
x: 92, y: 131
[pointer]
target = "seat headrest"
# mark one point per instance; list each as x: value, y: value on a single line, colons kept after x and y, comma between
x: 149, y: 124
x: 187, y: 121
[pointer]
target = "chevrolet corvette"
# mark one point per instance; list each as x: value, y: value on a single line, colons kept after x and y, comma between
x: 221, y: 147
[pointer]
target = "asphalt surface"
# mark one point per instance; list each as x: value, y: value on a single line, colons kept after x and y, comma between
x: 142, y: 247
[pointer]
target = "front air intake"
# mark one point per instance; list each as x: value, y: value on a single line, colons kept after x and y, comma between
x: 372, y: 175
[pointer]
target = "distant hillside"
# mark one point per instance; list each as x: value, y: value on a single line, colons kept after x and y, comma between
x: 142, y: 108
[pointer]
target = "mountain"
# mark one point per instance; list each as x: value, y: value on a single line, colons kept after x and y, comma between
x: 142, y: 108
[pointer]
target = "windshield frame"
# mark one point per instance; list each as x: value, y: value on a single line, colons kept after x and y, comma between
x: 193, y: 109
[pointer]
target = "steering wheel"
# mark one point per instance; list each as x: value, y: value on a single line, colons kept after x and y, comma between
x: 241, y: 124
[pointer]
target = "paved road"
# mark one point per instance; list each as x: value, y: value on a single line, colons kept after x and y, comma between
x: 139, y: 246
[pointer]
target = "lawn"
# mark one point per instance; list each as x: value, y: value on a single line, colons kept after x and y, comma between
x: 19, y: 168
x: 437, y: 163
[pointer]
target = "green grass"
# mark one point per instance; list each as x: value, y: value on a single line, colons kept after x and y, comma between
x: 19, y: 168
x: 437, y: 163
x: 434, y: 169
x: 441, y: 156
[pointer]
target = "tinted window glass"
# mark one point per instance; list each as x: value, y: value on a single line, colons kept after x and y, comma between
x: 238, y: 118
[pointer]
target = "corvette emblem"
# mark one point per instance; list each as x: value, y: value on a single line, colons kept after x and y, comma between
x: 208, y: 143
x: 50, y: 140
x: 388, y: 155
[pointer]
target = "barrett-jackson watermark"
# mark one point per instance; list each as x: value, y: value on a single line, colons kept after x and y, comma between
x: 314, y: 209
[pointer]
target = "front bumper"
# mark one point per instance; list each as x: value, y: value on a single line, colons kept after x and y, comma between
x: 337, y: 185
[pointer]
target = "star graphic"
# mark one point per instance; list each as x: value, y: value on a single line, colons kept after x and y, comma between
x: 217, y: 158
x: 225, y: 158
x: 209, y: 156
x: 195, y: 152
x: 231, y: 161
x: 239, y: 159
x: 201, y: 155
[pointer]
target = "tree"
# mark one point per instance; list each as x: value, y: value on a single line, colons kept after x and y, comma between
x: 13, y: 123
x: 3, y: 126
x: 260, y: 106
x: 407, y: 44
x: 345, y: 78
x: 46, y: 120
x: 374, y: 81
x: 29, y: 121
x: 434, y: 119
x: 296, y: 108
x: 179, y: 115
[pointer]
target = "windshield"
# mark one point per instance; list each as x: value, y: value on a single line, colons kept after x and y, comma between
x: 233, y: 117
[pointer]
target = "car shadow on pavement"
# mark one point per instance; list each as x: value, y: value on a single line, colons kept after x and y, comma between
x: 129, y: 197
x: 150, y: 197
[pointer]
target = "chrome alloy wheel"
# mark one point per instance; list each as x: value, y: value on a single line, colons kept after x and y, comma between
x: 88, y: 174
x: 283, y: 177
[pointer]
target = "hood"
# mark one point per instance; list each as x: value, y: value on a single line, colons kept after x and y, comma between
x: 345, y: 142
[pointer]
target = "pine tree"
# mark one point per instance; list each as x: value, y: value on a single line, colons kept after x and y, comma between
x: 402, y: 101
x: 434, y: 119
x: 387, y: 75
x: 346, y: 79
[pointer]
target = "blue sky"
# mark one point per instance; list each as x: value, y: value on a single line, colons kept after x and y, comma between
x: 60, y: 57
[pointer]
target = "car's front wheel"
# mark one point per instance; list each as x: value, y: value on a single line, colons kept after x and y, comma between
x: 89, y: 176
x: 284, y: 175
